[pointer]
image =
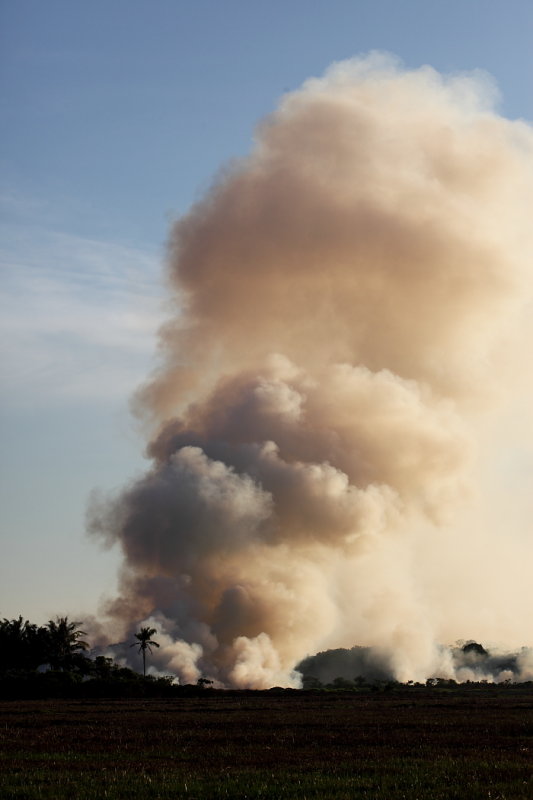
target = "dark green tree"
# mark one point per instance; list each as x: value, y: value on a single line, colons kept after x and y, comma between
x: 65, y: 645
x: 22, y: 644
x: 145, y: 643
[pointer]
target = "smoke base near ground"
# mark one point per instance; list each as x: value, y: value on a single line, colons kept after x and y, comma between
x: 462, y: 662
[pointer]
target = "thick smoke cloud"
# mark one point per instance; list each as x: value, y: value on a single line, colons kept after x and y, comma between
x: 350, y: 302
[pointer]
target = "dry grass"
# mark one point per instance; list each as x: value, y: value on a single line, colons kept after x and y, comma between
x: 423, y: 744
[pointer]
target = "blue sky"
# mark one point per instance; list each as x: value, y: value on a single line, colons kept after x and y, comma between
x: 116, y: 115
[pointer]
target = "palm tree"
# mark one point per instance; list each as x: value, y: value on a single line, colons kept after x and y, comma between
x: 145, y: 643
x: 22, y: 644
x: 65, y: 643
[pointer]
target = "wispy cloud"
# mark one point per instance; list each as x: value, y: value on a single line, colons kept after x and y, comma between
x: 78, y: 316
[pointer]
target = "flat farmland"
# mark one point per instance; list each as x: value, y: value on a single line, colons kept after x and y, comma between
x: 405, y: 744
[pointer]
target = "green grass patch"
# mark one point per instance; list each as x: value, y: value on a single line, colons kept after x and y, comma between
x: 289, y: 746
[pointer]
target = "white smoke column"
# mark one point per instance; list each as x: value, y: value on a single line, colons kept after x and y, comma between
x: 351, y: 299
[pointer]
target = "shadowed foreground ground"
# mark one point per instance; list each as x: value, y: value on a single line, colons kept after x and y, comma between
x: 406, y: 744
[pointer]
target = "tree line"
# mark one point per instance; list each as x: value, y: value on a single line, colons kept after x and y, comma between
x: 26, y: 646
x: 54, y: 660
x: 58, y: 644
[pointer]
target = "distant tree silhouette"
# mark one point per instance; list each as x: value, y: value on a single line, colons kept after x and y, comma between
x: 65, y: 644
x: 474, y: 647
x: 145, y: 643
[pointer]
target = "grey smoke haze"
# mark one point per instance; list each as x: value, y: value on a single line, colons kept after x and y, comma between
x: 345, y: 374
x: 463, y: 662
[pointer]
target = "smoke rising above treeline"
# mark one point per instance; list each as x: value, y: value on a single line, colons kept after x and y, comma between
x: 468, y: 661
x: 345, y: 371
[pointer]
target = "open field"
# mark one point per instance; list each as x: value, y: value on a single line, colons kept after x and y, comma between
x: 405, y: 744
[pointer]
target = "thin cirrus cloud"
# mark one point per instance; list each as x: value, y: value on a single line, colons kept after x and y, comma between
x: 78, y: 316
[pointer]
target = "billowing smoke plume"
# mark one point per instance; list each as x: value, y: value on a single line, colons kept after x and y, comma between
x: 350, y: 303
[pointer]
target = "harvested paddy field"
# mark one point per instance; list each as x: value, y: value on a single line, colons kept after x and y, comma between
x: 404, y: 744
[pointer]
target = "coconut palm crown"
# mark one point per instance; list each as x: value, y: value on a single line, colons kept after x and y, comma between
x: 64, y: 642
x: 145, y: 643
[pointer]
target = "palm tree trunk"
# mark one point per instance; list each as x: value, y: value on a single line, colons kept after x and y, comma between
x: 144, y: 663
